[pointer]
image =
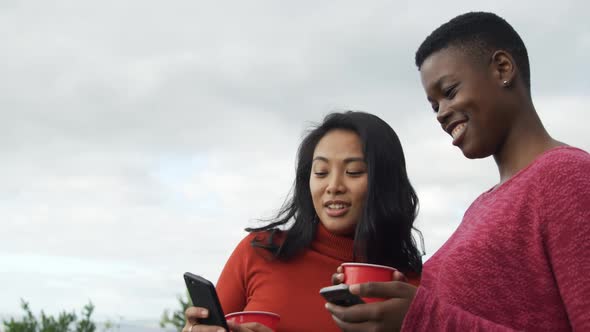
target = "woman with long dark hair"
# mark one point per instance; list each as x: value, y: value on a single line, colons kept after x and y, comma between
x: 351, y: 201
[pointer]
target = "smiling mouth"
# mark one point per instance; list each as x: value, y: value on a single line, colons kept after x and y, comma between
x: 336, y: 206
x: 337, y: 209
x: 458, y: 130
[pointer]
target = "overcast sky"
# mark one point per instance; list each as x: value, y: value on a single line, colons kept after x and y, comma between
x: 139, y: 138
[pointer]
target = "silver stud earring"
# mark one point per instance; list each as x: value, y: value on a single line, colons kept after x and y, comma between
x: 505, y: 83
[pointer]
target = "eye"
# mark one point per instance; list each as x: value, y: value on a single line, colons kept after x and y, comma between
x: 435, y: 108
x: 450, y: 92
x: 320, y: 174
x: 355, y: 173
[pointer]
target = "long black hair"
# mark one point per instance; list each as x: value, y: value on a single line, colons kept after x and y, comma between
x: 384, y: 233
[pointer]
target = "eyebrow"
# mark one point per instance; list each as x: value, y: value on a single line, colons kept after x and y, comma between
x: 439, y: 82
x: 347, y: 160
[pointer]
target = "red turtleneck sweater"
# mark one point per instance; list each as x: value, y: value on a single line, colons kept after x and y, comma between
x: 250, y: 281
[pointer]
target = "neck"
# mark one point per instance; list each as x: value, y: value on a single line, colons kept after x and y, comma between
x: 526, y: 140
x: 338, y: 247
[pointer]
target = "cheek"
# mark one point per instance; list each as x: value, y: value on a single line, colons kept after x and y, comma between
x: 464, y: 102
x: 315, y: 189
x: 360, y: 190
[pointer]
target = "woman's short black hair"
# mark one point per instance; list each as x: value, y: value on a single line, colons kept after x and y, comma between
x: 479, y: 34
x: 384, y: 233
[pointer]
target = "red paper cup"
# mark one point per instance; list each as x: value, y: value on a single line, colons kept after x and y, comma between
x: 269, y: 319
x: 359, y: 273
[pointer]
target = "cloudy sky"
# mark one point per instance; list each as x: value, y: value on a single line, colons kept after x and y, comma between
x: 139, y: 138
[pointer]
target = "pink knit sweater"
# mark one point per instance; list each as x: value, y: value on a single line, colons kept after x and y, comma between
x: 520, y: 260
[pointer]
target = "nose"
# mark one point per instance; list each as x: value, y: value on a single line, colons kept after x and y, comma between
x: 335, y: 185
x: 444, y: 111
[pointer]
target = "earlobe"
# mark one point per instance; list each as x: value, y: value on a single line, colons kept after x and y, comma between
x: 504, y: 67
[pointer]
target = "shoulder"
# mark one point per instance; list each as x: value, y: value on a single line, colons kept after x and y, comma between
x: 260, y: 244
x: 562, y: 186
x: 563, y: 159
x: 560, y: 167
x: 563, y: 170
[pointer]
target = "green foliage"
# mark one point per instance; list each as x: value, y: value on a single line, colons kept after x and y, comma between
x: 176, y: 318
x: 110, y: 325
x: 27, y: 324
x: 64, y: 322
x: 86, y: 324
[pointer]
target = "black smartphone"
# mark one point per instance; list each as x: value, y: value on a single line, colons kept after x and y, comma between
x: 203, y: 294
x: 340, y: 295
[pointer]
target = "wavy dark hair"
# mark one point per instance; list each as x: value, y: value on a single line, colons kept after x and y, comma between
x: 384, y: 233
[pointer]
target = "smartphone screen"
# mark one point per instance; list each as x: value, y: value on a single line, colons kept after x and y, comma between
x: 203, y: 294
x: 340, y: 295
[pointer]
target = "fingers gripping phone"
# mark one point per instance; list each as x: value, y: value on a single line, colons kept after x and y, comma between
x: 340, y: 295
x: 203, y: 294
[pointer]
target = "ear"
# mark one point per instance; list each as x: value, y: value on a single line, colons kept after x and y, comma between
x: 504, y: 68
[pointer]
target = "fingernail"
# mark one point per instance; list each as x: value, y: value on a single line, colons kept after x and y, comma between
x: 327, y: 305
x: 204, y: 312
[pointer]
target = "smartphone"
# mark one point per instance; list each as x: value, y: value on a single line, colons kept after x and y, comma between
x: 340, y: 295
x: 203, y: 294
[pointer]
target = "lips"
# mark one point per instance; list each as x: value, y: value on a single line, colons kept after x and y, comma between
x: 457, y: 131
x: 336, y: 208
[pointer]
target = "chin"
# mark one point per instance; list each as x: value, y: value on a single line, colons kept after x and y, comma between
x: 338, y: 228
x: 473, y: 155
x: 471, y: 152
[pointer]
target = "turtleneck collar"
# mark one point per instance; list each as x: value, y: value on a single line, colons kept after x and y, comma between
x: 335, y: 246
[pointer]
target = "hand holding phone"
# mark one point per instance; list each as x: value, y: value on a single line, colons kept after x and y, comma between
x: 203, y: 294
x: 340, y: 295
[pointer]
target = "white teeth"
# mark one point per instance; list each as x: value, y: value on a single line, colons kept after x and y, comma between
x: 458, y: 130
x: 336, y: 206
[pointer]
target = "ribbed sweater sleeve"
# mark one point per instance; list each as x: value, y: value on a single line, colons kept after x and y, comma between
x: 566, y: 232
x: 231, y: 286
